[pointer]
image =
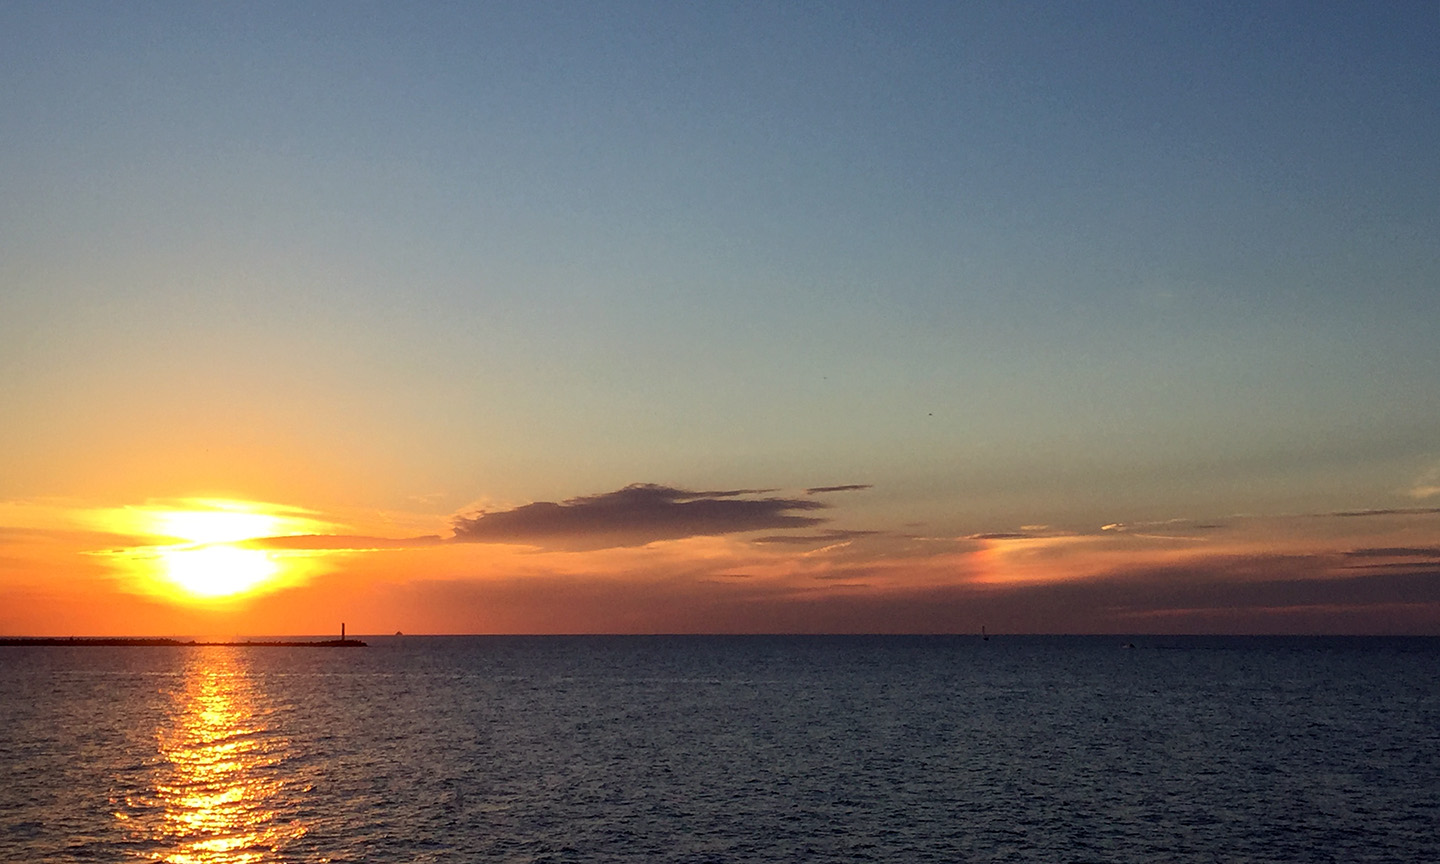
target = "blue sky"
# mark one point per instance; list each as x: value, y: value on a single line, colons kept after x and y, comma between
x: 1009, y: 263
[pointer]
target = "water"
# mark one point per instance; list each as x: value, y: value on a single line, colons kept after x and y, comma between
x: 753, y: 749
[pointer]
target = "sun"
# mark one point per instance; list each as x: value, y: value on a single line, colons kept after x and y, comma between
x: 219, y: 570
x: 223, y: 522
x: 210, y: 550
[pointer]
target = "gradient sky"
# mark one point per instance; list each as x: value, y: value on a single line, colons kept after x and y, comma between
x: 538, y: 317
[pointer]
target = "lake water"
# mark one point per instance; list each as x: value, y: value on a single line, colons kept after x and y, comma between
x: 747, y: 749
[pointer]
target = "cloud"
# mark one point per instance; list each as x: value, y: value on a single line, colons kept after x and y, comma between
x: 848, y: 487
x: 1427, y: 485
x: 1396, y: 552
x: 1395, y: 559
x: 69, y: 536
x: 1280, y: 582
x: 1160, y: 528
x: 337, y: 542
x: 822, y: 538
x: 1389, y: 511
x: 638, y: 514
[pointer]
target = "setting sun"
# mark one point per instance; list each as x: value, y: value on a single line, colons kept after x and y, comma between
x: 228, y: 522
x: 218, y: 571
x: 199, y: 553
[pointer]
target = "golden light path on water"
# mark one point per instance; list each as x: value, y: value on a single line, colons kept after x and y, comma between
x: 215, y: 796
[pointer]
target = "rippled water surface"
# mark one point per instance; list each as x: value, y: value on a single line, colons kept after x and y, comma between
x: 725, y: 749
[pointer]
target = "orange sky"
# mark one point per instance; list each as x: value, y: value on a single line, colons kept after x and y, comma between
x: 112, y: 571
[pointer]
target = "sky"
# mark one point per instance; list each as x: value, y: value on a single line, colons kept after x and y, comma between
x: 728, y: 317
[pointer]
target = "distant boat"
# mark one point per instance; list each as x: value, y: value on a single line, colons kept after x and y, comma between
x: 983, y: 636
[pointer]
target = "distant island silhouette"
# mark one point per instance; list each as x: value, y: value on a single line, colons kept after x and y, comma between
x: 132, y: 642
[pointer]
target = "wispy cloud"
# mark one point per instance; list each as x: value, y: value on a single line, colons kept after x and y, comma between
x: 1427, y: 485
x: 1166, y: 528
x: 634, y: 516
x: 817, y: 539
x: 848, y: 487
x: 1396, y: 552
x: 1386, y: 511
x: 338, y: 542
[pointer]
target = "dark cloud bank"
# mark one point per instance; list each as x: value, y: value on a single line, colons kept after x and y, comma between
x: 638, y: 514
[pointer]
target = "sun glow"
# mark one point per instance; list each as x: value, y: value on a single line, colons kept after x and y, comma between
x: 206, y: 549
x: 218, y: 526
x: 219, y: 571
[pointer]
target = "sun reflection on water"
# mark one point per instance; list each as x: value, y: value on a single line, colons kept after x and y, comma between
x: 215, y: 796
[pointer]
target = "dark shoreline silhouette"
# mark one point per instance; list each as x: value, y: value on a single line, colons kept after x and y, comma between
x: 129, y: 642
